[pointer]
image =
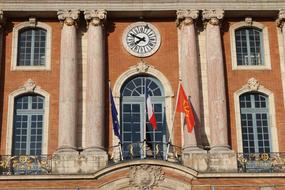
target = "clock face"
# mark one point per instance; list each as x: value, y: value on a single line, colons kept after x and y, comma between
x: 141, y: 39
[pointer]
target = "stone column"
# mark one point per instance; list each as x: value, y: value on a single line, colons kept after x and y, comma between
x: 221, y: 157
x: 2, y: 21
x: 66, y: 160
x: 95, y: 135
x: 193, y: 156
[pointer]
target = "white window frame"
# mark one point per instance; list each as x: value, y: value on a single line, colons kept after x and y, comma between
x: 16, y: 30
x: 265, y: 41
x: 10, y: 117
x: 271, y: 120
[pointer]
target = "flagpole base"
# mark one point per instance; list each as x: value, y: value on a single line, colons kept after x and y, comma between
x: 195, y: 158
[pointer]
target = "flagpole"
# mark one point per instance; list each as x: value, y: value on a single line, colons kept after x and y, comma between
x: 119, y: 143
x: 172, y: 124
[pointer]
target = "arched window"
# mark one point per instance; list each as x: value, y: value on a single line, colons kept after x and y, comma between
x: 28, y: 125
x: 31, y: 47
x: 249, y: 46
x: 138, y: 138
x: 254, y: 113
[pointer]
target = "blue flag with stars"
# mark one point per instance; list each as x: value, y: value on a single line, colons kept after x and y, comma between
x: 116, y: 126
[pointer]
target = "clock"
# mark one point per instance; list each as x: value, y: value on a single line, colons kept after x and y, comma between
x: 141, y: 39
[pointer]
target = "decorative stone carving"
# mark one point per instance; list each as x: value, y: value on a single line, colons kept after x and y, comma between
x: 33, y: 21
x: 95, y: 17
x: 253, y: 84
x: 68, y: 17
x: 29, y: 85
x: 248, y: 21
x: 186, y: 17
x: 141, y: 67
x: 281, y: 18
x: 213, y: 16
x: 145, y: 177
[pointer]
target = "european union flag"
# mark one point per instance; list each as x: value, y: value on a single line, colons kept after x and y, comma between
x: 116, y: 125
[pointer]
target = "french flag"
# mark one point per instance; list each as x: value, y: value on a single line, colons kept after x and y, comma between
x: 150, y: 112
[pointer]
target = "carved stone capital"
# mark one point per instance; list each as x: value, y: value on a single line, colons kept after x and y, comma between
x: 186, y: 17
x: 2, y: 20
x: 68, y: 17
x: 145, y: 177
x: 281, y: 18
x: 213, y: 16
x: 95, y: 17
x: 253, y: 84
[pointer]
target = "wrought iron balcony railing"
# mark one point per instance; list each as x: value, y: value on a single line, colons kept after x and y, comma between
x: 146, y: 150
x: 25, y: 165
x: 261, y: 162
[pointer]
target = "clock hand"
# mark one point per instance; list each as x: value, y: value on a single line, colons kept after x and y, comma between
x: 140, y: 39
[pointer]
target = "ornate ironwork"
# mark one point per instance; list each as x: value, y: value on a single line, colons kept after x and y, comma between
x: 261, y: 162
x: 25, y: 165
x: 146, y: 150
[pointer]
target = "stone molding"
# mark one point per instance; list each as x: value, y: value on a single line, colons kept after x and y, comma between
x: 186, y: 17
x: 68, y: 17
x: 213, y: 16
x: 145, y: 177
x: 95, y: 17
x: 281, y: 18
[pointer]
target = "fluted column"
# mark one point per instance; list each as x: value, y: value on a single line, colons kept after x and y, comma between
x: 95, y: 92
x: 188, y: 63
x: 68, y: 81
x: 216, y: 80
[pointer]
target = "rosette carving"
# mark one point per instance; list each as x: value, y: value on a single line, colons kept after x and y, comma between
x: 68, y: 17
x: 186, y: 17
x: 212, y: 16
x: 145, y: 177
x: 95, y: 17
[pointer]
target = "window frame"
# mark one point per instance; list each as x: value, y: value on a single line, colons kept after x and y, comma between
x: 10, y: 116
x: 14, y: 58
x: 265, y: 45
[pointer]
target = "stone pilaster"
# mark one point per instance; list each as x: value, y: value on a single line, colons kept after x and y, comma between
x: 221, y: 158
x: 95, y: 136
x: 67, y: 157
x: 193, y: 156
x: 2, y: 21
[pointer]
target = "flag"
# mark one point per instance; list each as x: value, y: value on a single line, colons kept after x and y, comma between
x: 150, y: 112
x: 116, y: 126
x: 184, y: 106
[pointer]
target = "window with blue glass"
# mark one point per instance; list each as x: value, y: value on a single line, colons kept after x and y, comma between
x: 249, y: 46
x: 31, y: 47
x: 138, y: 138
x: 28, y: 125
x: 255, y: 123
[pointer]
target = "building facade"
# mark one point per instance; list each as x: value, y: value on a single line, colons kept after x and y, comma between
x: 61, y: 60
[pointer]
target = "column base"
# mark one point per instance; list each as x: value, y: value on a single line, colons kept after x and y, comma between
x: 66, y: 161
x: 222, y: 159
x: 94, y: 160
x: 195, y: 158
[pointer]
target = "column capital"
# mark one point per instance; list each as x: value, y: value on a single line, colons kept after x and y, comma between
x: 186, y: 17
x: 68, y: 17
x: 95, y: 17
x: 2, y: 19
x: 213, y: 16
x: 281, y: 18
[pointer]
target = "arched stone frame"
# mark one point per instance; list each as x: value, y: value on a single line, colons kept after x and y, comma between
x: 143, y: 68
x: 31, y: 24
x: 29, y: 87
x: 254, y: 86
x: 265, y: 39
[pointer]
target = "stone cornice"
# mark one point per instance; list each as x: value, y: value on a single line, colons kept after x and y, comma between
x: 95, y: 17
x: 138, y: 5
x: 281, y: 18
x: 213, y: 16
x: 186, y: 17
x: 68, y: 17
